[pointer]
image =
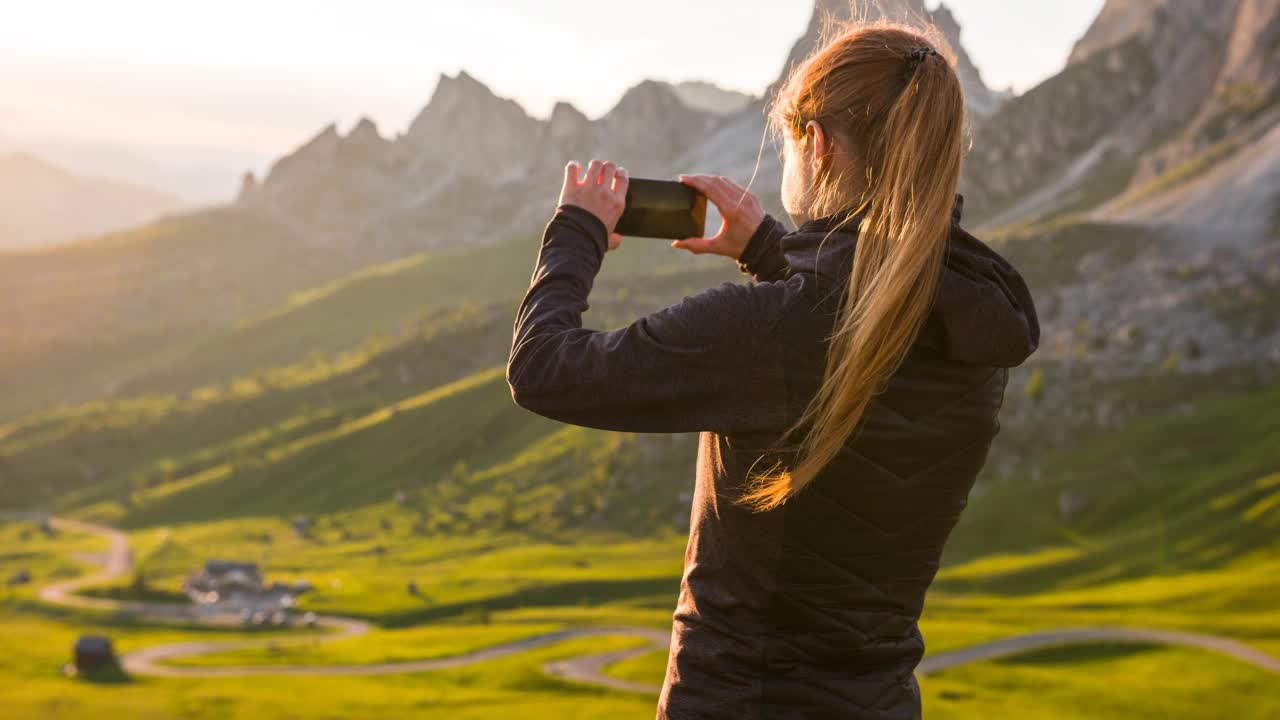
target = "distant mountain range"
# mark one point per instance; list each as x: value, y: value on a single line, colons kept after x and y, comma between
x: 41, y: 204
x: 1159, y: 135
x: 436, y: 173
x: 1150, y: 85
x: 197, y: 175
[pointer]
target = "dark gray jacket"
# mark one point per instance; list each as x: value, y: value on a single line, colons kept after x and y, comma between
x: 810, y: 610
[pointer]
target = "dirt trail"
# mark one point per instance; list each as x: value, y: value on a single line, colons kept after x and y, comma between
x: 587, y: 669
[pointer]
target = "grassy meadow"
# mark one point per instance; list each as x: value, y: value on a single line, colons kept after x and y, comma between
x: 374, y: 405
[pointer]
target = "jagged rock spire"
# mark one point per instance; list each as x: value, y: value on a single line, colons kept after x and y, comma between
x: 980, y: 99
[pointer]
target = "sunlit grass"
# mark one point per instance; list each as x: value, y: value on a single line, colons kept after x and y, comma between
x: 378, y: 646
x: 417, y: 469
x: 1100, y: 682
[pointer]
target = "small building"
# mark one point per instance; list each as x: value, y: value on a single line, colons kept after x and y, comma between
x: 228, y: 574
x: 222, y: 580
x: 22, y: 577
x: 239, y: 585
x: 93, y: 653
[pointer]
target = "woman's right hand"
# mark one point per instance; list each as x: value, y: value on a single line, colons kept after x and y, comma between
x: 740, y: 212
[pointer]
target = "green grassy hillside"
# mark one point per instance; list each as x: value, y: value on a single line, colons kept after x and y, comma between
x: 374, y: 405
x: 97, y: 312
x: 1014, y: 566
x: 388, y: 299
x: 202, y: 297
x: 354, y: 410
x: 482, y: 581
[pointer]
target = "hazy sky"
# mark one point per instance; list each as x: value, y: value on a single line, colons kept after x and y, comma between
x: 263, y: 75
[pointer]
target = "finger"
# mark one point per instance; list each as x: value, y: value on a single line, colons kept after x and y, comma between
x: 699, y: 245
x: 731, y: 195
x: 706, y: 183
x: 736, y: 194
x: 696, y: 245
x: 731, y: 184
x: 572, y: 173
x: 593, y: 172
x: 620, y: 181
x: 697, y: 182
x: 693, y: 245
x: 607, y: 171
x: 694, y: 180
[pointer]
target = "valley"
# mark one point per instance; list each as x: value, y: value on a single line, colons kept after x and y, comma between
x: 309, y: 380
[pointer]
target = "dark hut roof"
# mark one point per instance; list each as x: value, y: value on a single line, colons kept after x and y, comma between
x: 221, y: 567
x: 97, y: 644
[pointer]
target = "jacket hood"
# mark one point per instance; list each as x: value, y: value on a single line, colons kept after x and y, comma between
x: 983, y: 313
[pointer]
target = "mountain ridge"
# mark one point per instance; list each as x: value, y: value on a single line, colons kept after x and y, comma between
x: 345, y: 201
x: 1137, y: 98
x: 36, y: 196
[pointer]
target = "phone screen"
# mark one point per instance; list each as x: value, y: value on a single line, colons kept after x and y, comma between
x: 663, y: 209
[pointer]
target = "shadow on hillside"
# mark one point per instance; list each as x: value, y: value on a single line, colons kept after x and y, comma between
x: 110, y: 673
x: 570, y: 594
x: 87, y: 620
x: 1186, y: 489
x: 1074, y: 654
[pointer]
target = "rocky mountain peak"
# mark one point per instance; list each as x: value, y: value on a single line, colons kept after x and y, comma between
x: 1254, y: 40
x: 314, y: 153
x: 1210, y: 56
x: 979, y: 98
x: 1116, y: 22
x: 645, y: 95
x: 248, y: 187
x: 710, y: 97
x: 365, y: 131
x: 651, y: 124
x: 324, y: 141
x: 460, y: 85
x: 566, y: 120
x: 461, y: 101
x: 1150, y: 86
x: 466, y: 128
x: 363, y: 144
x: 651, y: 105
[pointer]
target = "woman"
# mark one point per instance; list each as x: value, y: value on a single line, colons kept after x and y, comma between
x: 846, y: 400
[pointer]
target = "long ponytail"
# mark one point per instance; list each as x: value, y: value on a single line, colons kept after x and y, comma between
x: 889, y: 91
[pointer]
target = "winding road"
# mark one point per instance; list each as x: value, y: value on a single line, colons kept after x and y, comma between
x: 587, y: 669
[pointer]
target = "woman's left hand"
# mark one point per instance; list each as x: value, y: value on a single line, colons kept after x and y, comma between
x: 603, y: 193
x: 740, y: 212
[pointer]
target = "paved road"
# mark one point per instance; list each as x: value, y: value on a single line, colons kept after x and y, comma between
x: 145, y: 661
x: 116, y: 564
x: 583, y: 668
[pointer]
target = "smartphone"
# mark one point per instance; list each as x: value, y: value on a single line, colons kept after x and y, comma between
x: 663, y: 209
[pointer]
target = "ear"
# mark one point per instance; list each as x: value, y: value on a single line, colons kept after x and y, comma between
x: 817, y: 139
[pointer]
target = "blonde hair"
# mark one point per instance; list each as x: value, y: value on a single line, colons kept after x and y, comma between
x: 891, y: 93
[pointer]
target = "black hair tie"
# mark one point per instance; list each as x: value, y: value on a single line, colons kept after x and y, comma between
x: 917, y: 56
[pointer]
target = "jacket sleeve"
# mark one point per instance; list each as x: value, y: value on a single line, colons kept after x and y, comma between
x: 705, y: 363
x: 762, y: 258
